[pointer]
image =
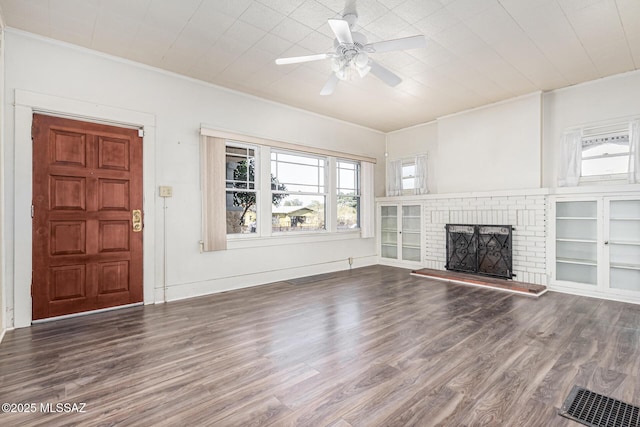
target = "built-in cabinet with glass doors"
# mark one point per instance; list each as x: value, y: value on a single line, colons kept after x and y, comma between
x: 597, y: 245
x: 401, y: 233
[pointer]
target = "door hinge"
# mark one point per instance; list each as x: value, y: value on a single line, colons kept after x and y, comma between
x: 32, y: 211
x: 141, y: 133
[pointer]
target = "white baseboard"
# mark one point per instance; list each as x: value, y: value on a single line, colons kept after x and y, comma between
x: 208, y: 287
x: 591, y: 294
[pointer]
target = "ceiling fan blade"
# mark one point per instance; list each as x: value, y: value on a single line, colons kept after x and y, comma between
x: 384, y: 74
x: 413, y: 42
x: 330, y: 85
x: 341, y: 29
x: 298, y: 59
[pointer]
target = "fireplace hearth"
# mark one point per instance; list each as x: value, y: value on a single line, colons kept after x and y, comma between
x: 480, y: 249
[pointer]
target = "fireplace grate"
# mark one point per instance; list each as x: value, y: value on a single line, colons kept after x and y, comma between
x: 480, y: 249
x: 595, y: 410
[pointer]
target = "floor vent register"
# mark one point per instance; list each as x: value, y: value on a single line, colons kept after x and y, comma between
x: 596, y: 410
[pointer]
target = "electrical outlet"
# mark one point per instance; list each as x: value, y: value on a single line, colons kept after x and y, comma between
x: 166, y: 191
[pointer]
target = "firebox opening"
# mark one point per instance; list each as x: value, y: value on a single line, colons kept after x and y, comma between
x: 480, y: 249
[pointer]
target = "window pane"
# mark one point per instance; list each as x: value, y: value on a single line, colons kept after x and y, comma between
x: 605, y: 148
x: 348, y: 212
x: 347, y: 179
x: 297, y: 173
x: 342, y: 164
x: 408, y: 183
x: 296, y: 212
x: 240, y: 167
x: 348, y: 202
x: 605, y: 165
x: 408, y: 170
x: 241, y: 212
x: 241, y: 151
x: 298, y: 158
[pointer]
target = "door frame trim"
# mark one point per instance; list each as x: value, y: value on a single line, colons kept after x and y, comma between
x: 27, y: 103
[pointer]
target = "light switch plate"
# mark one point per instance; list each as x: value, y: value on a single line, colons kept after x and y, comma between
x: 166, y: 191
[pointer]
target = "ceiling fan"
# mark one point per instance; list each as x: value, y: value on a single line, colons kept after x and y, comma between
x: 351, y: 52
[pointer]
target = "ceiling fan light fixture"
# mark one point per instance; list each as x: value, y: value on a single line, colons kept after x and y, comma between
x: 361, y: 60
x: 344, y: 73
x: 363, y: 71
x: 336, y: 65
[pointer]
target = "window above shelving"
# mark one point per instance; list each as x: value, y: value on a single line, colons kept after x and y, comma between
x: 605, y: 151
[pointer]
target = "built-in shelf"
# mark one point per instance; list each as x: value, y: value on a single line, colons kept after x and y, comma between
x: 576, y: 217
x: 576, y: 240
x: 576, y: 261
x: 411, y: 246
x: 598, y: 244
x: 405, y: 222
x: 625, y: 266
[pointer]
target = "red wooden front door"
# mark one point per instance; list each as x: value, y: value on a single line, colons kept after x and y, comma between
x: 87, y: 185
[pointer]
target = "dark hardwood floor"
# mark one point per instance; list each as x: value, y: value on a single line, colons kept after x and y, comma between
x: 368, y: 347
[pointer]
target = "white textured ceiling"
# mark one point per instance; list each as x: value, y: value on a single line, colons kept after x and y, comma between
x: 478, y: 51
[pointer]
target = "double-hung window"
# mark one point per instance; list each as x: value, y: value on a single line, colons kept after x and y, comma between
x: 241, y: 188
x: 348, y: 194
x: 605, y: 151
x: 255, y: 189
x: 408, y: 175
x: 298, y: 191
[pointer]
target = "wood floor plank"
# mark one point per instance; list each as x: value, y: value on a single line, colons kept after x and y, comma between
x: 372, y: 346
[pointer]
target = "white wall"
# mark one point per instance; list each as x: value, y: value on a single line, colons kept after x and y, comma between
x: 602, y: 100
x: 496, y: 147
x: 180, y: 106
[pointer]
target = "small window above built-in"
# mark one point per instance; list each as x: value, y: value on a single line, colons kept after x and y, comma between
x: 408, y: 176
x: 600, y: 154
x: 605, y: 153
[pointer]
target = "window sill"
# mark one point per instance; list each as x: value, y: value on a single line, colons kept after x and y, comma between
x: 280, y: 239
x: 613, y: 179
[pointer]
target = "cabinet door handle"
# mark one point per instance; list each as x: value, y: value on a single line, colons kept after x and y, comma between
x: 606, y: 242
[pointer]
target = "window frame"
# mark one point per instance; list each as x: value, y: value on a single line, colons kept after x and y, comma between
x: 256, y: 187
x: 358, y: 192
x: 214, y: 178
x: 326, y: 194
x: 405, y: 163
x: 614, y: 131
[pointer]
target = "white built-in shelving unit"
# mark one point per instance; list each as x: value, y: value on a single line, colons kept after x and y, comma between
x: 401, y: 233
x: 596, y: 245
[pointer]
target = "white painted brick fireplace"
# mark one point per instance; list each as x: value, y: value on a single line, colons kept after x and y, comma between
x: 525, y: 212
